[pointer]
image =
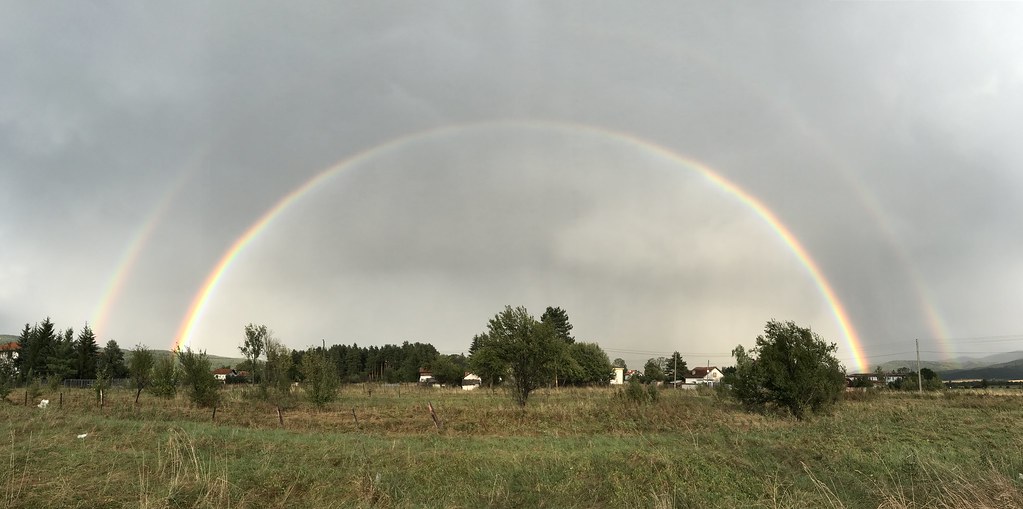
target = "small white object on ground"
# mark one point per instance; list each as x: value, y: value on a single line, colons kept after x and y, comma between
x: 83, y: 435
x: 44, y: 403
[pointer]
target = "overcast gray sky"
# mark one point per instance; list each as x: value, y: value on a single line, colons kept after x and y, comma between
x: 515, y: 164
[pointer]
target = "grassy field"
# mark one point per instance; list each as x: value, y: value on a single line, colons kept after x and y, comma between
x: 569, y: 448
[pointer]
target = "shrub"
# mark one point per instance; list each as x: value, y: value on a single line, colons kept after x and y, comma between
x: 635, y: 392
x: 791, y: 368
x: 197, y: 377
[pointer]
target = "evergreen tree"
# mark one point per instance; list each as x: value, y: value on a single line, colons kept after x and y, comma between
x: 112, y: 359
x: 44, y: 343
x: 87, y: 352
x: 557, y: 320
x: 23, y: 363
x: 670, y: 364
x: 61, y: 363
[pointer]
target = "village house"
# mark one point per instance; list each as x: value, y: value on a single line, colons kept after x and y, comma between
x: 704, y: 375
x: 876, y: 379
x: 471, y: 381
x: 9, y: 351
x: 426, y: 376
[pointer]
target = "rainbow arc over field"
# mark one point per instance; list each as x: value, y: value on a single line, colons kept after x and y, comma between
x: 209, y: 286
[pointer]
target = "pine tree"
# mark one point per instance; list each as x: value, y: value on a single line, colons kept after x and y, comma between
x: 23, y: 363
x: 112, y: 359
x: 61, y: 363
x: 86, y: 351
x: 557, y: 319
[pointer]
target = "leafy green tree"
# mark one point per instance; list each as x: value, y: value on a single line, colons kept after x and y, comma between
x: 101, y: 384
x: 592, y: 365
x: 276, y: 375
x: 112, y: 359
x: 140, y: 369
x: 87, y: 352
x: 8, y: 378
x: 619, y: 363
x: 197, y: 378
x: 253, y: 346
x: 790, y: 367
x: 319, y: 377
x: 487, y: 363
x: 530, y: 349
x: 652, y: 371
x: 670, y: 371
x: 557, y: 320
x: 165, y: 377
x: 449, y: 369
x: 931, y: 381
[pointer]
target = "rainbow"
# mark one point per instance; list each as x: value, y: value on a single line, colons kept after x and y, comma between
x: 926, y: 302
x: 130, y: 256
x: 195, y: 311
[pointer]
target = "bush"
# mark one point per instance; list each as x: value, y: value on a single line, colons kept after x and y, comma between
x: 197, y: 377
x: 635, y: 392
x: 654, y: 392
x: 165, y: 378
x: 791, y: 368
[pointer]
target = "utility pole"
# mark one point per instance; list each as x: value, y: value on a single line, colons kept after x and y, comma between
x: 675, y: 371
x: 919, y: 376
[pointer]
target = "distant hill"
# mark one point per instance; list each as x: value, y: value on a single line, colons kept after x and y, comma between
x: 936, y: 366
x: 215, y: 360
x: 7, y: 338
x: 1000, y: 358
x: 1012, y: 370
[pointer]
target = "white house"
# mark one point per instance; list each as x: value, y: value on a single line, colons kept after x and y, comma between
x: 471, y: 381
x: 425, y: 376
x: 9, y: 352
x: 619, y: 376
x: 221, y: 374
x: 704, y: 375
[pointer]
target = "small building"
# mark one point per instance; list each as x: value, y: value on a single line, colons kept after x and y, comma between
x: 705, y: 375
x: 618, y: 376
x: 221, y: 374
x: 9, y: 351
x: 426, y: 377
x: 471, y: 381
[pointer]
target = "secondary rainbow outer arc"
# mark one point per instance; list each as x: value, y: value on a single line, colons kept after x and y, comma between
x: 935, y: 323
x: 209, y: 286
x: 130, y: 256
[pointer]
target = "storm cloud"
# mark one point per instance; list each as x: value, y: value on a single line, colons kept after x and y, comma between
x: 522, y: 158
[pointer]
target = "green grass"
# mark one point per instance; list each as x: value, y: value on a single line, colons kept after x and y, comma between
x: 569, y: 448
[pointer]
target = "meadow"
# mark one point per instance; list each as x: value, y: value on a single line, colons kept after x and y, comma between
x: 379, y: 446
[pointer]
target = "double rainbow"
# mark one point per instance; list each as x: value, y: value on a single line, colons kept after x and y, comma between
x: 202, y: 298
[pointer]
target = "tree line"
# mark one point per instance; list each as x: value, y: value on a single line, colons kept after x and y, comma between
x: 46, y: 352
